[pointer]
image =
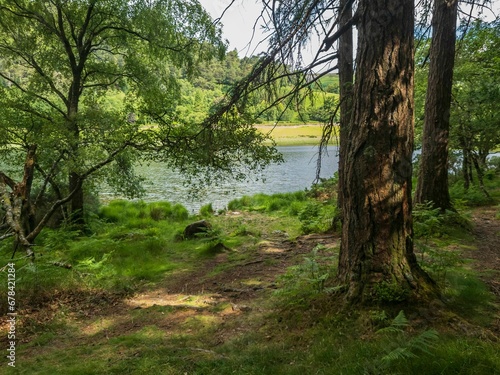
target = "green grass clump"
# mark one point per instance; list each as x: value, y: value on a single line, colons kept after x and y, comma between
x: 315, y: 216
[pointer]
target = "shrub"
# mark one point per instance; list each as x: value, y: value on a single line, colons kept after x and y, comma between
x: 471, y: 197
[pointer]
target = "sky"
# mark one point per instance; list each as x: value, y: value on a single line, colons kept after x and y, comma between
x: 238, y: 22
x: 239, y: 19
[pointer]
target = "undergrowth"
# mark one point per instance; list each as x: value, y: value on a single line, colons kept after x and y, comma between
x: 298, y: 326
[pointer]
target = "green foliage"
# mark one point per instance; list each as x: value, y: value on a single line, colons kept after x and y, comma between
x: 298, y: 329
x: 404, y: 348
x: 468, y: 295
x: 472, y: 197
x: 99, y: 87
x: 325, y: 189
x: 122, y: 211
x: 207, y: 210
x: 268, y: 203
x: 316, y: 217
x: 307, y: 279
x: 390, y: 292
x: 427, y: 220
x: 494, y: 164
x: 431, y: 222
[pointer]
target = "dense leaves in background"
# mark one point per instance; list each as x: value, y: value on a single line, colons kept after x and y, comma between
x: 432, y: 183
x: 476, y: 94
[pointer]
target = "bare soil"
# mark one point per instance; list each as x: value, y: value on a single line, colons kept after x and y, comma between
x: 487, y: 256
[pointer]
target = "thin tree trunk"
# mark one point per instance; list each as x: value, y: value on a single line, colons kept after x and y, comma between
x: 77, y: 201
x: 376, y: 257
x: 432, y: 184
x: 480, y: 174
x: 346, y: 78
x: 465, y: 168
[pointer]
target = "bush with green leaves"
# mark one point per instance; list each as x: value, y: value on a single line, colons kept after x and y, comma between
x: 121, y: 211
x: 473, y: 196
x: 269, y: 203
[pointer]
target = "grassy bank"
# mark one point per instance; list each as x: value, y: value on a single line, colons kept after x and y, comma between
x: 253, y: 295
x: 295, y: 135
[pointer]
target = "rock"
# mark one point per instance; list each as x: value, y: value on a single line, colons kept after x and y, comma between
x: 196, y: 229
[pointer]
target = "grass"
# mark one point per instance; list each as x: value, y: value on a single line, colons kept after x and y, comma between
x: 295, y: 135
x: 86, y: 320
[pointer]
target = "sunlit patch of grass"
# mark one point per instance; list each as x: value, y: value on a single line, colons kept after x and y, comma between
x: 295, y: 135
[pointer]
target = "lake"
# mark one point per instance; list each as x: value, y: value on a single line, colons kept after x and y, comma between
x: 296, y: 173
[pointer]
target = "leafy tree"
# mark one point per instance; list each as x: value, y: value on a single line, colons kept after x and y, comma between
x: 476, y: 94
x: 88, y: 86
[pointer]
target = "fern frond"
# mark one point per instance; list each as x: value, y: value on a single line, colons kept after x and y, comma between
x: 397, y: 325
x: 424, y: 341
x: 398, y: 354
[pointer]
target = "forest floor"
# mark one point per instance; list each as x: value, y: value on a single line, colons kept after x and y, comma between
x: 487, y: 255
x: 194, y: 312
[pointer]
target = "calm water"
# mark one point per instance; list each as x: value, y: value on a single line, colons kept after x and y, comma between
x: 296, y: 173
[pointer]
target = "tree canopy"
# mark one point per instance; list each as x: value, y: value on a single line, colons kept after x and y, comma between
x: 88, y: 86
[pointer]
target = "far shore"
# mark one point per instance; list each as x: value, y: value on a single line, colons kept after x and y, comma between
x: 296, y: 134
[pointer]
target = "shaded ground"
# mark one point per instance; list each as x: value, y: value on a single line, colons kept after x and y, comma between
x: 487, y: 256
x: 219, y: 293
x: 215, y: 292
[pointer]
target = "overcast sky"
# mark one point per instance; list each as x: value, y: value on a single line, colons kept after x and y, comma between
x: 238, y: 23
x: 239, y: 19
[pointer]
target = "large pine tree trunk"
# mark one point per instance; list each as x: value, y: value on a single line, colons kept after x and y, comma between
x: 376, y: 256
x: 432, y: 182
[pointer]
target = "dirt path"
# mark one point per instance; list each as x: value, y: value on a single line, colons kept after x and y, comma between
x: 217, y: 291
x: 242, y: 282
x: 487, y: 256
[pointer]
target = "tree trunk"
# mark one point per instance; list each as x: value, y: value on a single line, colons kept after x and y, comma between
x: 480, y: 174
x: 17, y: 204
x: 346, y: 74
x: 76, y: 216
x: 465, y: 168
x: 377, y: 262
x: 432, y: 182
x: 76, y: 211
x: 466, y: 158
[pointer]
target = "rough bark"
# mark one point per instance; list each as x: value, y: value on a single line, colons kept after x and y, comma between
x: 346, y: 77
x: 432, y: 182
x: 376, y: 253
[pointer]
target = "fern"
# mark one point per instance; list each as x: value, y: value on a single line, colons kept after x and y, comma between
x: 407, y: 348
x: 424, y: 341
x: 397, y: 325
